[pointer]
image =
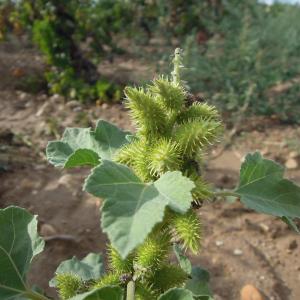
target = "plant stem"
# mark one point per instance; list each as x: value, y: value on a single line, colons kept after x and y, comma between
x: 177, y: 65
x: 35, y: 296
x: 130, y: 290
x: 226, y: 193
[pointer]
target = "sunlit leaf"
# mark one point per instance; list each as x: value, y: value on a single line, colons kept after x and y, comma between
x: 131, y: 207
x: 85, y: 146
x: 263, y: 188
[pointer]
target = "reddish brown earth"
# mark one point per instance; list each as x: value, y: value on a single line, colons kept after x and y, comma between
x: 239, y: 246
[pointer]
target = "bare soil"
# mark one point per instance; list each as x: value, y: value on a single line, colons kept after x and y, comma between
x: 239, y: 246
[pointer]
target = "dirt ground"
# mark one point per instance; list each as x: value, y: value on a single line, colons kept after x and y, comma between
x: 239, y: 246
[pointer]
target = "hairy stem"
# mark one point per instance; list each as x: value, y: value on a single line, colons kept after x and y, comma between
x: 130, y: 290
x: 177, y: 65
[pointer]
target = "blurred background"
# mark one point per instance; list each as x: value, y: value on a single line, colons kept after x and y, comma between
x: 66, y: 62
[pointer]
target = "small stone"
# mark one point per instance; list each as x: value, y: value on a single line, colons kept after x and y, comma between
x: 77, y: 109
x: 47, y: 230
x: 291, y: 164
x: 237, y: 252
x: 264, y: 227
x: 73, y: 104
x: 23, y: 96
x: 294, y: 154
x: 293, y: 245
x: 265, y: 151
x: 250, y: 292
x: 219, y: 243
x: 56, y: 98
x: 104, y: 106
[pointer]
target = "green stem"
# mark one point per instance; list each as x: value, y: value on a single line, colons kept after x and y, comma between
x: 35, y: 296
x: 130, y: 290
x: 226, y: 193
x: 177, y: 65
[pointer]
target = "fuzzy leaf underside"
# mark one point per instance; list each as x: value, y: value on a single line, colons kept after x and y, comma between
x: 132, y: 208
x: 177, y: 294
x: 263, y: 188
x: 85, y: 146
x: 19, y: 243
x: 198, y: 284
x: 90, y: 267
x: 105, y: 293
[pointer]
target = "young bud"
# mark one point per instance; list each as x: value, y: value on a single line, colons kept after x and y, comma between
x: 171, y: 95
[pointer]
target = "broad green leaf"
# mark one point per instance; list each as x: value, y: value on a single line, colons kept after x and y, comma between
x: 131, y: 207
x: 90, y: 267
x: 177, y: 294
x: 19, y: 243
x: 84, y: 146
x: 184, y: 262
x: 105, y: 293
x: 263, y: 188
x: 199, y: 283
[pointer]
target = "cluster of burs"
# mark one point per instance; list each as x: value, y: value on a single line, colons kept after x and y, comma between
x: 172, y: 135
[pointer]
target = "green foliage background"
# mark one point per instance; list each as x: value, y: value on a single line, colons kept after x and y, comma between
x: 236, y: 52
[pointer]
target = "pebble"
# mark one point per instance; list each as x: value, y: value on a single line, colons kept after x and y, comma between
x: 250, y: 292
x: 73, y: 104
x: 293, y: 245
x: 291, y: 164
x: 23, y: 96
x: 294, y: 154
x: 237, y: 252
x: 264, y: 227
x: 77, y: 109
x: 219, y: 243
x: 56, y: 98
x: 47, y: 230
x: 104, y: 106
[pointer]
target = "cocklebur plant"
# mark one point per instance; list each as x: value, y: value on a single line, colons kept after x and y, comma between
x: 152, y: 184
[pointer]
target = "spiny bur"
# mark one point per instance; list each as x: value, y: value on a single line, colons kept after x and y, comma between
x: 68, y: 285
x: 153, y: 251
x: 167, y: 277
x: 112, y: 278
x: 117, y: 264
x: 187, y: 229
